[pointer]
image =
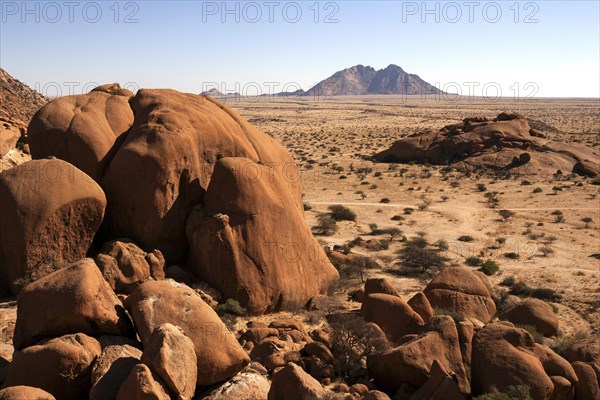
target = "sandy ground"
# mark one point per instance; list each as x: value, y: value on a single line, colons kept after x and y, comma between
x: 329, y: 138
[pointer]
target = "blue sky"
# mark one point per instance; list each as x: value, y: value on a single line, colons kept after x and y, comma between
x: 546, y: 48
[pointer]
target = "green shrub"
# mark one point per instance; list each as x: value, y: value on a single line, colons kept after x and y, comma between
x: 520, y: 392
x: 231, y: 306
x: 473, y: 261
x: 456, y: 316
x: 466, y: 238
x: 385, y: 200
x: 489, y: 267
x: 512, y: 255
x: 537, y: 190
x: 508, y: 281
x: 523, y: 290
x: 539, y: 338
x: 229, y: 312
x: 408, y: 210
x: 341, y: 213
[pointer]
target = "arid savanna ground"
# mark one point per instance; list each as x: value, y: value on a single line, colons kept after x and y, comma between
x: 332, y: 139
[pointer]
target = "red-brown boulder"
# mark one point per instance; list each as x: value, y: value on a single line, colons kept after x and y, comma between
x: 170, y: 354
x: 393, y: 315
x: 536, y: 313
x: 74, y: 299
x: 175, y: 143
x: 24, y: 393
x: 49, y: 214
x: 458, y: 289
x: 250, y: 241
x: 411, y: 361
x: 142, y: 384
x: 60, y: 366
x: 219, y: 355
x: 83, y: 130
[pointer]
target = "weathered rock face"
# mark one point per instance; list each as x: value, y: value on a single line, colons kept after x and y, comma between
x: 170, y: 354
x: 292, y: 383
x: 142, y: 384
x: 506, y: 142
x: 392, y: 314
x: 247, y: 385
x: 84, y: 130
x: 24, y: 392
x: 49, y: 213
x: 588, y: 385
x: 60, y: 366
x: 124, y: 265
x: 380, y: 285
x: 421, y: 305
x: 10, y: 133
x: 587, y: 350
x: 249, y: 240
x: 536, y: 313
x: 219, y: 355
x: 458, y: 289
x: 506, y: 356
x: 411, y: 361
x: 175, y: 142
x: 439, y: 386
x: 75, y: 299
x: 111, y: 369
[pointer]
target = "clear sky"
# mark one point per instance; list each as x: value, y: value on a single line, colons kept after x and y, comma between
x: 541, y: 48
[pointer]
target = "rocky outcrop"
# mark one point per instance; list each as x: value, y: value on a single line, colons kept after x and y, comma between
x: 536, y: 313
x: 411, y: 362
x: 19, y: 101
x: 292, y: 383
x: 124, y: 265
x: 505, y: 356
x: 460, y: 290
x: 506, y: 142
x: 250, y: 242
x: 219, y: 355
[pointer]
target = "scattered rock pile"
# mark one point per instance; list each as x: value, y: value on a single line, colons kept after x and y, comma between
x: 506, y: 142
x: 19, y: 101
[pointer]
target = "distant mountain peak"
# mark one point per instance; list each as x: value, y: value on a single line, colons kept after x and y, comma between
x: 364, y: 80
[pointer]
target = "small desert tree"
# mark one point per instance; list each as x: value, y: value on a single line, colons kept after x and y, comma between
x: 352, y: 341
x: 327, y: 225
x: 500, y: 240
x: 418, y: 254
x: 587, y: 221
